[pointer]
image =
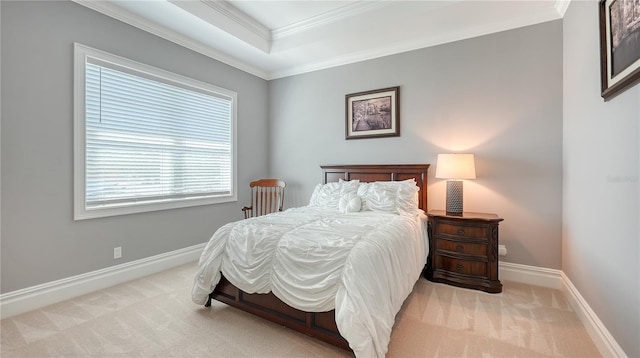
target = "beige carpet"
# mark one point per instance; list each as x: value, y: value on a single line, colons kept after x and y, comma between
x: 154, y: 317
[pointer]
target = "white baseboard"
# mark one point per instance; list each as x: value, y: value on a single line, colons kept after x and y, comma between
x: 539, y: 276
x: 605, y: 342
x: 31, y: 298
x: 532, y: 275
x: 16, y: 302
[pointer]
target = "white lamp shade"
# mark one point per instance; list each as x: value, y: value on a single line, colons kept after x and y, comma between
x: 456, y: 166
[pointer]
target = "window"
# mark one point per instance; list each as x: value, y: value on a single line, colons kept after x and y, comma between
x: 147, y: 139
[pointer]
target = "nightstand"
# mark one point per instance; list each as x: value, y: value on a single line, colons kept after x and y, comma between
x: 463, y: 250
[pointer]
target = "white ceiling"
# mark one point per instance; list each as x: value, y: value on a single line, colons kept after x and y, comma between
x: 273, y: 39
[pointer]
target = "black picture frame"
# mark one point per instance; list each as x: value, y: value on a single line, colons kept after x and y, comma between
x: 619, y: 46
x: 373, y: 114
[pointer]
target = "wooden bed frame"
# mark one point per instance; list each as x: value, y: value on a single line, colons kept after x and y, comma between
x: 320, y: 325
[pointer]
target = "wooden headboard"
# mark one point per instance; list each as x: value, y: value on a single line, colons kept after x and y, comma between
x: 380, y: 172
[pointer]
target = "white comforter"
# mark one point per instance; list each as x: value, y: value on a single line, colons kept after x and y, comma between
x: 315, y: 259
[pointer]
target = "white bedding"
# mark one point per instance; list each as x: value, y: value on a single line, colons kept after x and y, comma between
x: 316, y: 259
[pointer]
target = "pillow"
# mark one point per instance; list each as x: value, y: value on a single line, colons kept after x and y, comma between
x: 407, y: 199
x: 397, y: 197
x: 348, y: 187
x: 328, y: 195
x: 363, y: 188
x: 314, y: 195
x: 381, y: 197
x: 349, y: 203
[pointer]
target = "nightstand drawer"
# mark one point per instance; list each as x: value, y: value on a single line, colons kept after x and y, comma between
x: 464, y: 248
x: 479, y: 232
x: 466, y: 267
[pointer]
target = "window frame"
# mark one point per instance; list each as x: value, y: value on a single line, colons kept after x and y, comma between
x: 81, y: 212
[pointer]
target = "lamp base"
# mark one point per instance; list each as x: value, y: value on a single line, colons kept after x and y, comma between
x: 454, y: 197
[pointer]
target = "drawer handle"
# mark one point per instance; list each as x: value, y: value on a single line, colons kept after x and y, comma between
x: 460, y: 231
x: 460, y: 248
x: 459, y: 267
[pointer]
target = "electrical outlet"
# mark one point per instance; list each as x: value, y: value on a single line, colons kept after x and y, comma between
x: 117, y: 252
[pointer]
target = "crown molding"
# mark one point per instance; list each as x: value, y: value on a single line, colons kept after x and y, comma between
x: 562, y: 6
x: 224, y: 8
x: 229, y: 19
x: 109, y: 9
x: 347, y: 11
x: 411, y: 45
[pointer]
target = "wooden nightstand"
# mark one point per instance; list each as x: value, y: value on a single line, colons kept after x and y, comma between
x: 463, y: 250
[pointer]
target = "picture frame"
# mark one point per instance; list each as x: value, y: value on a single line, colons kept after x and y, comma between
x: 619, y: 46
x: 373, y: 114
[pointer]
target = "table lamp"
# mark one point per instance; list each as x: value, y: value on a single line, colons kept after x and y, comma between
x: 455, y: 167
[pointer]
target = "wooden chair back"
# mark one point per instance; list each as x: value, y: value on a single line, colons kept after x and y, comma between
x: 267, y: 196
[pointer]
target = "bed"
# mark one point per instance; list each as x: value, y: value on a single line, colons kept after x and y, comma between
x: 315, y: 313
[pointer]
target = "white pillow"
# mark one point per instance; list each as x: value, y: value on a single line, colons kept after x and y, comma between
x: 349, y: 203
x: 363, y: 189
x: 348, y: 187
x: 328, y: 195
x: 314, y: 195
x: 407, y: 199
x: 395, y: 197
x: 381, y: 197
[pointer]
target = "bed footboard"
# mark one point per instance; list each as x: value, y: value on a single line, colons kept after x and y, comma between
x: 320, y: 325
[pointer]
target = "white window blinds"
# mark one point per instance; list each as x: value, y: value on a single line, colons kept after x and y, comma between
x: 150, y: 139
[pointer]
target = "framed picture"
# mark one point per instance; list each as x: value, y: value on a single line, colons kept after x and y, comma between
x: 373, y: 114
x: 619, y: 45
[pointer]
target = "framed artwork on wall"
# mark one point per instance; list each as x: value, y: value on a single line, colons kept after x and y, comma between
x: 373, y: 114
x: 619, y: 46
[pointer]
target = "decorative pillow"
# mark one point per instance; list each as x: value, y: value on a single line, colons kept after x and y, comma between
x: 349, y: 203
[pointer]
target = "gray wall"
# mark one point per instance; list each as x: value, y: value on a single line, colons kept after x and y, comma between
x: 601, y: 233
x: 497, y: 96
x: 40, y: 240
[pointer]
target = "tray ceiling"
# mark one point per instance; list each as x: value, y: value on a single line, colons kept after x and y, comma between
x: 273, y: 39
